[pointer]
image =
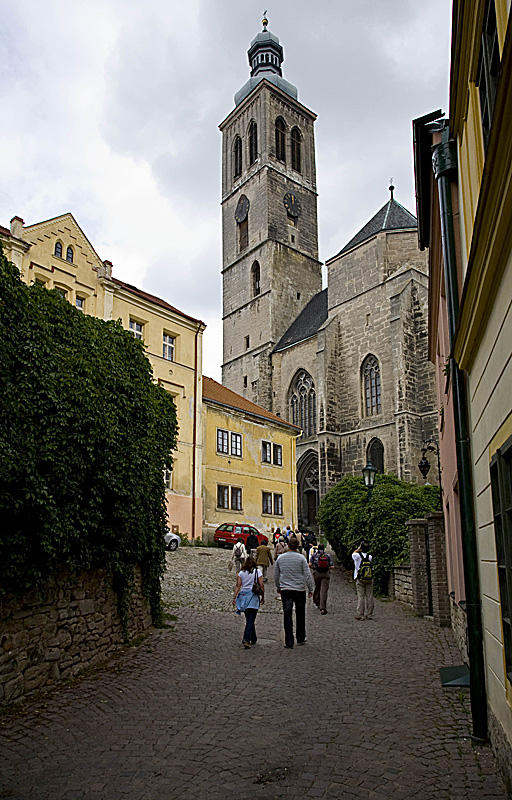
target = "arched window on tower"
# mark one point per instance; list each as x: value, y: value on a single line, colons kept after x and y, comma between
x: 296, y: 148
x: 370, y: 378
x: 302, y: 403
x: 237, y: 157
x: 375, y: 454
x: 253, y: 142
x: 281, y: 140
x: 255, y: 279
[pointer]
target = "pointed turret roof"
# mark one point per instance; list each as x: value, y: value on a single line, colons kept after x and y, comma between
x: 390, y: 217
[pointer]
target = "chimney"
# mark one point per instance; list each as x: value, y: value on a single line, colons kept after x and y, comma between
x: 17, y: 227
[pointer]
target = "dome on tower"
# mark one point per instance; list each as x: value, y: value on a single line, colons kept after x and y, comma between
x: 265, y: 58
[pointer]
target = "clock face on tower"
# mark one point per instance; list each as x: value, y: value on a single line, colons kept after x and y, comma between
x: 242, y: 209
x: 292, y: 204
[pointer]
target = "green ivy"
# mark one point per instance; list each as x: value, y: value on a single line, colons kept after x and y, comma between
x: 85, y: 435
x: 347, y: 515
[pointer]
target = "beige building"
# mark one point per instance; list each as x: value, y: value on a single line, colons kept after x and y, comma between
x: 57, y: 253
x: 248, y: 463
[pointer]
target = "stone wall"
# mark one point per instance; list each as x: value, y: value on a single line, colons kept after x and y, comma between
x: 400, y: 584
x: 75, y: 625
x: 501, y: 748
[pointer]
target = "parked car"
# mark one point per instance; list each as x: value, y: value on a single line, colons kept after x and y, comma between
x: 172, y: 541
x: 228, y: 534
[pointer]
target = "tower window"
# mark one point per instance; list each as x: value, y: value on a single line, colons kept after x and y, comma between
x: 281, y: 140
x: 247, y: 342
x: 255, y: 276
x: 370, y: 372
x: 253, y: 142
x: 296, y: 147
x: 243, y: 234
x: 237, y: 157
x: 58, y: 249
x: 69, y: 254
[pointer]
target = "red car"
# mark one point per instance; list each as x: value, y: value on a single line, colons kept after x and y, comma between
x: 228, y: 534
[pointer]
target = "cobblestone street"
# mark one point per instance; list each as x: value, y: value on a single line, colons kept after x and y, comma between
x: 358, y: 712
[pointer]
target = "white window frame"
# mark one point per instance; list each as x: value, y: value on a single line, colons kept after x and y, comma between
x: 266, y: 449
x: 236, y: 437
x: 137, y: 329
x: 168, y: 346
x: 277, y: 449
x: 80, y: 299
x: 225, y: 439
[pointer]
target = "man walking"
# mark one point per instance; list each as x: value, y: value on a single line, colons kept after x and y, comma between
x: 363, y: 576
x: 321, y: 563
x: 293, y: 578
x: 251, y: 544
x: 263, y: 559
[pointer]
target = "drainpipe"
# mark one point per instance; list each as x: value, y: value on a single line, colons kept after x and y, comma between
x: 444, y: 163
x: 194, y: 438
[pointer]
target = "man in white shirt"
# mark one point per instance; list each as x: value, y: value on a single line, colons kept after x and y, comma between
x: 292, y: 578
x: 363, y: 576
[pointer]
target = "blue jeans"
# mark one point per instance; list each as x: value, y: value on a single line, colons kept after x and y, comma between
x: 250, y: 625
x: 289, y: 598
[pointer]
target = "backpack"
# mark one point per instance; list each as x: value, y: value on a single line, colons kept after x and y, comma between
x: 238, y: 551
x: 323, y: 563
x: 365, y: 571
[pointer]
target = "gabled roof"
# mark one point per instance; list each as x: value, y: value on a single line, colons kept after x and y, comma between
x: 392, y: 216
x: 307, y: 323
x: 220, y: 394
x: 128, y: 287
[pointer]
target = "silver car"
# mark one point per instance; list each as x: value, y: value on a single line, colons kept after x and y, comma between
x: 172, y: 541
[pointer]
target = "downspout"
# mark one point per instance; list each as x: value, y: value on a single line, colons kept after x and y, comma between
x: 194, y: 438
x: 444, y: 163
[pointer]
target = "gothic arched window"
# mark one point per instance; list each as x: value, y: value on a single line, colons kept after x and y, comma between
x: 237, y: 157
x: 375, y: 454
x: 69, y: 254
x: 370, y: 373
x: 296, y: 146
x: 58, y: 249
x: 302, y: 402
x: 281, y: 140
x: 255, y: 279
x: 253, y: 142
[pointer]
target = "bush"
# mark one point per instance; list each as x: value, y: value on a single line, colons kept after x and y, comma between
x: 347, y: 516
x: 85, y: 435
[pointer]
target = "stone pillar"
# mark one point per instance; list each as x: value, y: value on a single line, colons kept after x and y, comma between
x: 440, y: 595
x: 418, y: 557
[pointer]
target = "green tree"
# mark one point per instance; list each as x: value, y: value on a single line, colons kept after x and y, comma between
x: 347, y: 515
x: 84, y: 435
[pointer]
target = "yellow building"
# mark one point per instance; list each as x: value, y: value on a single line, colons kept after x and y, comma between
x: 248, y: 463
x: 57, y: 254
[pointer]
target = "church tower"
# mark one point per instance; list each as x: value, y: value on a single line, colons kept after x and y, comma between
x: 269, y: 219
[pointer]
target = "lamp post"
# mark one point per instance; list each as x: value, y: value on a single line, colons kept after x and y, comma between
x: 430, y: 445
x: 369, y: 477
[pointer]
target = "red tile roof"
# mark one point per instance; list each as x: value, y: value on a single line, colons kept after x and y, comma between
x: 153, y: 299
x: 221, y: 394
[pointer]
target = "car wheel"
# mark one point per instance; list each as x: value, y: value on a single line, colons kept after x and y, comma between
x: 173, y: 545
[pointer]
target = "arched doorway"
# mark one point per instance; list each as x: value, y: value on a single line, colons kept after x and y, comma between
x: 307, y: 489
x: 375, y: 454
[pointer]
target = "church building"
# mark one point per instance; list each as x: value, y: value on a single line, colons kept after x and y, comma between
x: 348, y: 363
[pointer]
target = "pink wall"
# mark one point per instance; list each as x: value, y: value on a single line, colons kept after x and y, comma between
x: 179, y: 510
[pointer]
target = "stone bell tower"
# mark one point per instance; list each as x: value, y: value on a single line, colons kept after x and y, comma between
x: 269, y: 219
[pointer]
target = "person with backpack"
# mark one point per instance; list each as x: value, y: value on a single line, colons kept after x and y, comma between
x: 249, y: 595
x: 238, y: 554
x: 321, y: 563
x: 363, y: 576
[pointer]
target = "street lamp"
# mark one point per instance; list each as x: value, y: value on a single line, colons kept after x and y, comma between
x: 430, y: 445
x: 369, y: 477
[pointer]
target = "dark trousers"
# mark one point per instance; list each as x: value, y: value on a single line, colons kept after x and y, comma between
x: 321, y: 588
x: 250, y: 625
x: 289, y: 598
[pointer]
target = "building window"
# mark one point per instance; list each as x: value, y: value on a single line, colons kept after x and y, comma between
x: 245, y: 381
x: 136, y: 328
x: 278, y: 505
x: 302, y: 403
x: 278, y: 455
x: 58, y: 249
x: 281, y: 140
x: 247, y: 342
x: 237, y: 157
x: 61, y: 291
x: 168, y: 343
x: 266, y: 502
x: 253, y: 142
x: 371, y: 386
x: 266, y: 452
x: 69, y: 254
x: 243, y: 234
x: 375, y: 454
x: 236, y: 498
x: 222, y: 496
x: 296, y: 147
x: 501, y: 489
x: 80, y: 302
x: 488, y: 69
x: 255, y: 279
x: 222, y: 441
x: 236, y: 444
x: 168, y: 478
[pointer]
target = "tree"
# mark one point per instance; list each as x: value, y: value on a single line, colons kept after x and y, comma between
x: 85, y: 435
x: 347, y: 515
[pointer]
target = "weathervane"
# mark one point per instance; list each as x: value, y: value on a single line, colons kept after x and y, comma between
x: 391, y: 187
x: 264, y: 21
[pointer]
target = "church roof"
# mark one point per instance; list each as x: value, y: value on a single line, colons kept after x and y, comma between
x: 307, y: 323
x: 392, y: 216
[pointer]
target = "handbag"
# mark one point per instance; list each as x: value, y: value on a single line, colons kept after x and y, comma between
x: 256, y: 588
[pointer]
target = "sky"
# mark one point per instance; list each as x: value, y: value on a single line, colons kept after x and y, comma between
x: 111, y: 111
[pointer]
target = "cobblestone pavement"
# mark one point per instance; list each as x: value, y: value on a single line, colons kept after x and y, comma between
x: 358, y: 712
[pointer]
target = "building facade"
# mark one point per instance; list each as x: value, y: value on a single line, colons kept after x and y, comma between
x: 248, y: 463
x: 57, y: 254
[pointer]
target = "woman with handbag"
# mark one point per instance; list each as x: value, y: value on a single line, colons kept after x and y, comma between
x: 249, y: 594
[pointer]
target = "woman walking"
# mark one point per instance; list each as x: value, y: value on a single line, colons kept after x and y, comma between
x: 247, y: 600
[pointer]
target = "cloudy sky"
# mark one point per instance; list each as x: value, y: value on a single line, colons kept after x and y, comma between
x: 110, y: 110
